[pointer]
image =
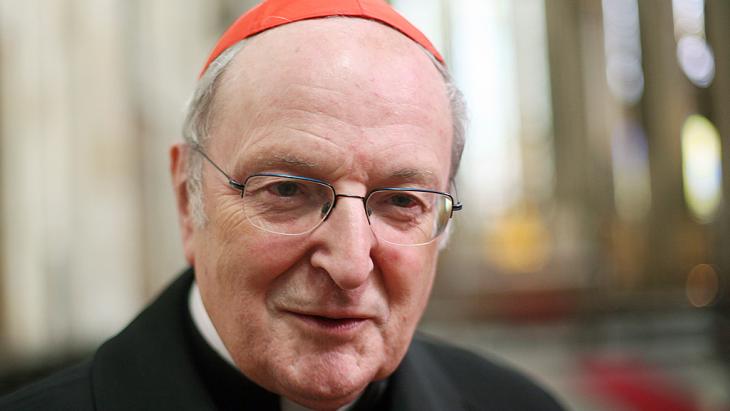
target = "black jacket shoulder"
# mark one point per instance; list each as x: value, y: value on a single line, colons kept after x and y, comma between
x: 471, y: 380
x: 67, y: 390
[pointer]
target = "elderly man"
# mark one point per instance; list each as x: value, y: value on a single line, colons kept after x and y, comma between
x: 314, y: 189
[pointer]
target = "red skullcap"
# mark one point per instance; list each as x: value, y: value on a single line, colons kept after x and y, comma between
x: 273, y: 13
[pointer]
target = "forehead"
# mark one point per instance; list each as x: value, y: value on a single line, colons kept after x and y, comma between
x: 339, y: 86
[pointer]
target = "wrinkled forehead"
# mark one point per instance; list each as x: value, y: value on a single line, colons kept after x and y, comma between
x: 353, y: 83
x: 342, y: 54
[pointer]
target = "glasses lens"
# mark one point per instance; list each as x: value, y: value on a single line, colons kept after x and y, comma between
x: 286, y: 205
x: 407, y: 217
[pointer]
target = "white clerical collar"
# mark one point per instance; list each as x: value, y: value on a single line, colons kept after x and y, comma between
x: 210, y: 335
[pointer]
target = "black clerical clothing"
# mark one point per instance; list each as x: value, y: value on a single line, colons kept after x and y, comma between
x: 160, y: 362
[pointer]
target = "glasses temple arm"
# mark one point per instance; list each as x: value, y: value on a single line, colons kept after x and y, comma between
x: 457, y: 204
x: 233, y: 183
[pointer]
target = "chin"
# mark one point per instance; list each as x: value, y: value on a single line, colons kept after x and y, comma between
x: 325, y: 383
x: 323, y: 404
x: 327, y: 396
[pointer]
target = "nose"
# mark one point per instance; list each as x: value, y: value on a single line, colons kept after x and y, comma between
x: 344, y: 243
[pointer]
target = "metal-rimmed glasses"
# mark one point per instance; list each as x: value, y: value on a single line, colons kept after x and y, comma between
x: 294, y: 205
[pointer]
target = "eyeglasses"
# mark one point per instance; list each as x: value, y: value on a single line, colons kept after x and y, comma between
x: 293, y: 205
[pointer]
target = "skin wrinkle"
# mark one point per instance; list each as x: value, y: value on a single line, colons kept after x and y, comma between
x: 350, y: 124
x: 323, y: 104
x: 308, y: 111
x: 362, y: 131
x: 256, y: 137
x: 419, y: 176
x: 312, y: 109
x: 286, y: 162
x: 287, y: 91
x: 307, y: 133
x: 260, y: 148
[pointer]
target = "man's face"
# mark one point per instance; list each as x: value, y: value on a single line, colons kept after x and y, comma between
x: 316, y: 317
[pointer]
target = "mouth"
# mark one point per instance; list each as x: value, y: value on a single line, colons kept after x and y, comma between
x: 332, y: 324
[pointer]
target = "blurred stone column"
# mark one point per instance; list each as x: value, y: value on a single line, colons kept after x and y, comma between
x: 718, y: 31
x: 70, y: 216
x: 575, y: 216
x: 167, y: 43
x: 668, y: 100
x: 92, y: 95
x: 35, y: 134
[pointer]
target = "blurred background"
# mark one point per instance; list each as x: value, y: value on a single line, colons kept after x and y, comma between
x: 593, y: 252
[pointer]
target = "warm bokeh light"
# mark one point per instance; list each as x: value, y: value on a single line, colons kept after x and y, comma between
x: 703, y: 285
x: 520, y: 241
x: 701, y: 167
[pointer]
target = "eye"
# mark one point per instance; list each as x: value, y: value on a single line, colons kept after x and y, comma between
x: 402, y: 200
x: 286, y: 189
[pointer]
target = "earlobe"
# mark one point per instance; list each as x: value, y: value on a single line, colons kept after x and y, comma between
x: 179, y: 171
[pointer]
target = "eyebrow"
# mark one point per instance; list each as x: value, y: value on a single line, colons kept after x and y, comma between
x: 412, y: 175
x: 288, y: 160
x: 274, y: 161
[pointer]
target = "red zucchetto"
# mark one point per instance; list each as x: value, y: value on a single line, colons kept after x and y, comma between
x: 273, y: 13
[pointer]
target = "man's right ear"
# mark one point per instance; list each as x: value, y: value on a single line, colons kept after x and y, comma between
x: 179, y: 157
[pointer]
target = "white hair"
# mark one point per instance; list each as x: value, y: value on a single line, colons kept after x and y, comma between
x: 197, y: 123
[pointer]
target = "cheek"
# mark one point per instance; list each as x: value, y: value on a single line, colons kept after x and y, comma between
x: 408, y: 274
x: 257, y: 258
x: 273, y: 253
x: 238, y: 276
x: 237, y: 264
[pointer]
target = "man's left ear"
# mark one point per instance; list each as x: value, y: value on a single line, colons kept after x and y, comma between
x: 179, y: 156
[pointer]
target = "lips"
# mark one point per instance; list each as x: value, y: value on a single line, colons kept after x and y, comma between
x: 336, y: 322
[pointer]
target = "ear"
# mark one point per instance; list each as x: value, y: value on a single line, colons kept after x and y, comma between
x: 179, y: 154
